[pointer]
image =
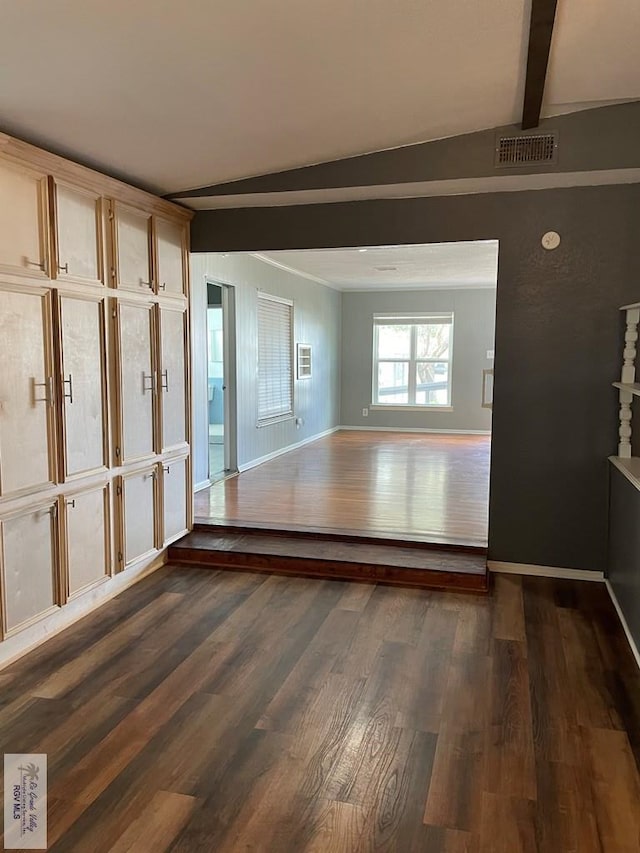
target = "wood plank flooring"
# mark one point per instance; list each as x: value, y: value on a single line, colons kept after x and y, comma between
x: 220, y: 711
x: 408, y: 485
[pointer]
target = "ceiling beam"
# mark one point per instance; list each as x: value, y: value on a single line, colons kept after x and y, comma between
x: 543, y: 13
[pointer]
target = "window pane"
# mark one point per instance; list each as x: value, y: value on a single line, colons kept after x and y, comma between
x: 432, y: 384
x: 433, y: 340
x: 394, y: 341
x: 393, y: 382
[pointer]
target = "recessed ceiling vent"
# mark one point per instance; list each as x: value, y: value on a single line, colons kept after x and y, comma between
x: 530, y: 150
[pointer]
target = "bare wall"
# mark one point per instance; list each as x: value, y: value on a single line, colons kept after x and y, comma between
x: 558, y: 338
x: 474, y: 330
x: 317, y: 316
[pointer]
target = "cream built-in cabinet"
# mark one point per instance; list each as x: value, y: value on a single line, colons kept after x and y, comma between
x: 172, y: 378
x: 174, y: 491
x: 27, y: 391
x: 83, y: 393
x: 78, y: 234
x: 87, y: 538
x: 139, y: 514
x: 24, y: 223
x: 136, y: 380
x: 94, y: 397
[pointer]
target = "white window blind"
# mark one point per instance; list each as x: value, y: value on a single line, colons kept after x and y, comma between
x: 275, y: 358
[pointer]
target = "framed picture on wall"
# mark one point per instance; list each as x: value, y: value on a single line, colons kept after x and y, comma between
x: 304, y: 361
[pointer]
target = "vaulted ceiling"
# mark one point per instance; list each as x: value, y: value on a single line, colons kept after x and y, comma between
x: 180, y: 95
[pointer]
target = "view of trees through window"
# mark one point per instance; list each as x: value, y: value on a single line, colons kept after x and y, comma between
x: 412, y: 361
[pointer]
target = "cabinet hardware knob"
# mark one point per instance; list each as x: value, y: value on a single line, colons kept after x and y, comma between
x: 63, y: 268
x: 145, y: 283
x: 166, y: 469
x: 164, y: 380
x: 162, y: 286
x: 71, y: 503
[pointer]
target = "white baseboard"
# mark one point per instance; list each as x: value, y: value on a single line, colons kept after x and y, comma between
x: 199, y: 487
x: 418, y: 429
x: 544, y: 571
x: 625, y: 627
x: 269, y: 456
x: 15, y: 647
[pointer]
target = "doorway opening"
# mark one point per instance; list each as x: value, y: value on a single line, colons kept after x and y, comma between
x: 220, y: 381
x: 386, y: 432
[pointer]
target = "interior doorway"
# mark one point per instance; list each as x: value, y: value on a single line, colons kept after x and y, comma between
x: 411, y: 367
x: 220, y: 381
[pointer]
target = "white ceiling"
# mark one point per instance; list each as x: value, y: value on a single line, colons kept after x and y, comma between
x: 182, y: 95
x: 430, y: 266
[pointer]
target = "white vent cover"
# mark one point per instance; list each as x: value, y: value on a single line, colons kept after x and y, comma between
x: 531, y: 149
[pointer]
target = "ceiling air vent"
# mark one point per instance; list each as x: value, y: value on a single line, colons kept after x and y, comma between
x: 530, y: 150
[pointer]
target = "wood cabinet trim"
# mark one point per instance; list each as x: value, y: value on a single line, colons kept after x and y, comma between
x: 22, y: 153
x: 100, y: 215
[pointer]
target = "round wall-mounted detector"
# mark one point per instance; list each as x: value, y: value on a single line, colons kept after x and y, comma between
x: 551, y: 240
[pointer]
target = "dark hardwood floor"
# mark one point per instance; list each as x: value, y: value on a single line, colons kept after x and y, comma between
x: 223, y: 712
x: 398, y: 484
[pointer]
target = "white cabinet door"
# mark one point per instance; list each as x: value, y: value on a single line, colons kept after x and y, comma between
x: 174, y: 497
x: 84, y: 388
x: 139, y: 501
x: 170, y: 247
x: 26, y: 392
x: 87, y: 538
x: 29, y: 566
x: 137, y: 381
x: 133, y: 248
x: 23, y: 221
x: 78, y: 234
x: 172, y: 381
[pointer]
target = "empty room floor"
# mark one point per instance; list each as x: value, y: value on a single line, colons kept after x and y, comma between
x: 221, y: 711
x: 432, y: 487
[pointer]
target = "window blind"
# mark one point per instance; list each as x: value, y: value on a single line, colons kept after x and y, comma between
x: 275, y: 358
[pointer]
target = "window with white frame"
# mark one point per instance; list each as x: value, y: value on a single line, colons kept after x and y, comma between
x: 275, y: 358
x: 412, y: 359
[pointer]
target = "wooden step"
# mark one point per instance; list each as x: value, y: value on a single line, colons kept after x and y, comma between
x: 408, y: 564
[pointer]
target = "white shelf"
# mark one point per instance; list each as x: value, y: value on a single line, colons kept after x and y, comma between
x: 631, y: 387
x: 629, y: 467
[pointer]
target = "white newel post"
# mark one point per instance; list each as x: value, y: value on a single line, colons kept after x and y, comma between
x: 628, y: 378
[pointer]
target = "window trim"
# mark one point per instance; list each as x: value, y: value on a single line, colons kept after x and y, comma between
x: 267, y: 420
x: 413, y: 319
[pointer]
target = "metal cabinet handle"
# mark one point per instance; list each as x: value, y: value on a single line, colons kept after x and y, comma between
x: 71, y: 502
x: 63, y: 268
x: 48, y: 393
x: 166, y: 469
x: 164, y: 380
x: 68, y: 382
x: 39, y: 264
x: 146, y: 283
x: 162, y: 286
x: 150, y: 378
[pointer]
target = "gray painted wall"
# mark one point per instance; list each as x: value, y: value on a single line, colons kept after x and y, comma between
x: 474, y: 331
x: 624, y: 549
x: 317, y: 317
x: 603, y: 138
x: 558, y: 338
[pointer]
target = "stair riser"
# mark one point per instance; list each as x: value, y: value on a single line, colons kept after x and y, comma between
x: 332, y: 570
